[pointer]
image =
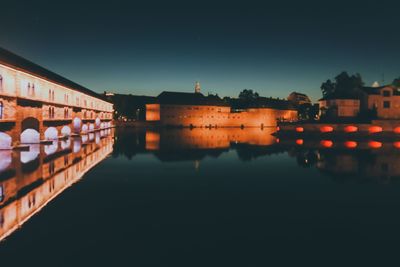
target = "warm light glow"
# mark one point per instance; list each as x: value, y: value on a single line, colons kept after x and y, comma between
x: 375, y: 129
x: 350, y: 129
x: 326, y: 129
x: 350, y: 144
x: 299, y: 142
x: 397, y: 130
x: 299, y: 129
x: 277, y: 140
x: 326, y: 143
x: 278, y: 129
x: 375, y: 144
x: 396, y: 144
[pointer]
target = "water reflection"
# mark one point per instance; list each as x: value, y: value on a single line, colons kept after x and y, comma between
x: 339, y: 159
x: 31, y: 179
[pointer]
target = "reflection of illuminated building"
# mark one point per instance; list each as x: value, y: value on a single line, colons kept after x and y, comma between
x: 29, y: 186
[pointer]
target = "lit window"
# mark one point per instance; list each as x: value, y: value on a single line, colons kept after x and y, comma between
x: 1, y: 83
x: 1, y: 110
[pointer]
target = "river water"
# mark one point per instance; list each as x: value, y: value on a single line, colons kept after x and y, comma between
x: 200, y: 197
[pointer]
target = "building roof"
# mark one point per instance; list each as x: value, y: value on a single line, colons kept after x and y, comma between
x: 261, y: 102
x: 182, y: 98
x: 14, y: 61
x: 377, y: 90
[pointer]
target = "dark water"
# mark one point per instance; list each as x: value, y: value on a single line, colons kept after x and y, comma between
x: 226, y: 197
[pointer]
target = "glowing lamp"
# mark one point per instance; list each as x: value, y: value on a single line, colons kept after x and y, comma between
x: 350, y: 129
x: 375, y: 144
x: 397, y: 130
x: 396, y: 144
x: 375, y: 129
x: 350, y: 144
x: 278, y: 128
x: 299, y: 129
x: 326, y: 129
x: 299, y: 142
x: 277, y: 140
x: 326, y: 143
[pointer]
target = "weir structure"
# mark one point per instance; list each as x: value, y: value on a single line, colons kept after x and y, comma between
x: 39, y: 105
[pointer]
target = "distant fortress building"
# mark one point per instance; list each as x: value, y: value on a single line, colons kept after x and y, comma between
x: 37, y: 104
x: 196, y: 110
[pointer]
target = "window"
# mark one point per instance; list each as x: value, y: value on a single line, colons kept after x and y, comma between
x: 1, y: 83
x: 386, y: 104
x: 386, y: 93
x: 1, y: 109
x: 33, y: 89
x: 50, y: 95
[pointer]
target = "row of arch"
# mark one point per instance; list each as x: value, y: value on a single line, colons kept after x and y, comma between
x: 30, y: 131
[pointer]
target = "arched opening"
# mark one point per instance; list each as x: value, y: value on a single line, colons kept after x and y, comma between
x: 102, y: 125
x: 91, y: 127
x: 91, y: 136
x: 32, y: 154
x: 97, y: 122
x: 65, y: 144
x: 97, y: 138
x: 51, y: 149
x: 30, y: 131
x: 65, y: 131
x: 5, y: 159
x: 77, y: 125
x: 84, y: 128
x: 5, y: 141
x: 84, y: 138
x: 51, y: 133
x: 77, y: 145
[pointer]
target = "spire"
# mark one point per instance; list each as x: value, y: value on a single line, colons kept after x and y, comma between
x: 197, y: 87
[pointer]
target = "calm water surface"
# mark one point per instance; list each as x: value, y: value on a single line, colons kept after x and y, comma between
x: 225, y: 197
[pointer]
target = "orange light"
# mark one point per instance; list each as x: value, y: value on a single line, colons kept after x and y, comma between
x: 397, y: 130
x: 396, y: 144
x: 375, y: 144
x: 375, y: 129
x: 278, y: 128
x: 326, y: 143
x: 350, y: 144
x: 299, y: 142
x: 326, y: 129
x: 277, y: 140
x: 299, y: 129
x: 350, y: 129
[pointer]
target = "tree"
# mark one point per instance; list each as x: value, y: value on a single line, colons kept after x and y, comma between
x: 396, y: 82
x: 344, y: 86
x: 248, y: 94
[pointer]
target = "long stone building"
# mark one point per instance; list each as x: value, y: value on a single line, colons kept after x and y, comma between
x: 197, y: 110
x: 37, y: 104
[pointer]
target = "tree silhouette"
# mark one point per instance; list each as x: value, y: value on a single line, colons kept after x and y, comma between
x: 344, y: 86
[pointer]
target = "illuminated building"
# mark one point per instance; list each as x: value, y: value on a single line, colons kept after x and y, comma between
x: 197, y: 110
x: 37, y: 104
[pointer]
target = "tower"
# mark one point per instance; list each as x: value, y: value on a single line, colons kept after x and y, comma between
x: 197, y: 88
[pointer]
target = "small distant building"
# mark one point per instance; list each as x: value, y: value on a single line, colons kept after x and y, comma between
x: 339, y: 107
x: 384, y: 100
x: 299, y: 99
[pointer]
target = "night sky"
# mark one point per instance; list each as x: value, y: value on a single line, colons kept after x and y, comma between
x: 149, y: 46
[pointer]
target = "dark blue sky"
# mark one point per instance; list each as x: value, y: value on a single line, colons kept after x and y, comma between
x: 150, y: 46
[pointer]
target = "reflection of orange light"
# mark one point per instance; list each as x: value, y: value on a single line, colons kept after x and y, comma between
x: 326, y: 143
x: 299, y: 142
x: 397, y: 130
x: 277, y: 140
x: 396, y: 144
x: 278, y: 129
x: 326, y: 129
x: 350, y: 129
x: 375, y: 144
x: 299, y: 129
x: 350, y: 144
x: 375, y: 129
